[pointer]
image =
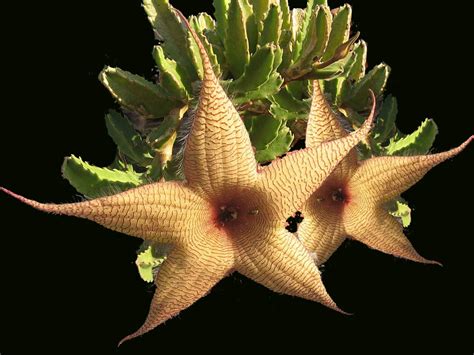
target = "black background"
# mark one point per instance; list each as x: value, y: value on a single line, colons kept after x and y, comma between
x: 69, y: 286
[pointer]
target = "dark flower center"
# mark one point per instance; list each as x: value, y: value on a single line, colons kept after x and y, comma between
x: 227, y: 214
x: 237, y: 211
x: 338, y: 195
x: 334, y: 195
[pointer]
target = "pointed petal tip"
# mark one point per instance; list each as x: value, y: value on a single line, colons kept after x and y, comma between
x: 208, y: 70
x: 45, y: 207
x: 440, y: 157
x: 368, y: 124
x: 463, y: 145
x: 8, y: 192
x: 70, y: 209
x: 420, y: 259
x: 328, y: 302
x: 412, y: 255
x: 19, y: 197
x: 469, y: 140
x: 430, y: 262
x: 131, y: 336
x: 339, y: 310
x: 191, y: 30
x: 332, y: 305
x: 370, y: 119
x: 124, y: 339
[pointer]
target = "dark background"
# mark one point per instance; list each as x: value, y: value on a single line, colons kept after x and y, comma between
x: 69, y: 286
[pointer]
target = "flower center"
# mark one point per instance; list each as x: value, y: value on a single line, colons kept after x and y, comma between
x: 237, y: 212
x: 333, y: 195
x: 338, y: 195
x: 230, y: 214
x: 227, y: 214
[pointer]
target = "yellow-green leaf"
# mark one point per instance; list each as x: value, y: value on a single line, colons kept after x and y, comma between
x: 221, y: 8
x: 128, y: 141
x: 340, y: 31
x: 417, y: 143
x: 236, y: 41
x: 360, y: 61
x: 93, y: 181
x: 176, y: 43
x: 385, y: 124
x: 257, y: 71
x: 375, y: 80
x: 251, y: 25
x: 263, y: 130
x: 279, y: 146
x: 264, y: 91
x: 146, y: 262
x: 260, y: 9
x: 271, y: 27
x: 401, y: 210
x: 170, y: 76
x: 137, y: 94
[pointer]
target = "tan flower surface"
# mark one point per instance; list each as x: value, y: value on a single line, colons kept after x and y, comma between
x: 228, y: 215
x: 352, y: 201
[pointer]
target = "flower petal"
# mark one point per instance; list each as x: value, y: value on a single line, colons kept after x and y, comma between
x: 291, y: 181
x: 160, y: 212
x: 187, y: 275
x: 324, y: 125
x: 383, y: 178
x: 280, y: 262
x: 321, y: 231
x: 381, y: 231
x: 218, y: 151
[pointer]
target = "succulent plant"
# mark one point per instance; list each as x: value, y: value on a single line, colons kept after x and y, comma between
x: 266, y: 56
x: 229, y: 213
x: 218, y: 132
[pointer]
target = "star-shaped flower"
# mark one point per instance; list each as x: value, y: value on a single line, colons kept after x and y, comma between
x: 228, y: 215
x: 352, y: 201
